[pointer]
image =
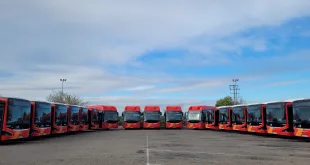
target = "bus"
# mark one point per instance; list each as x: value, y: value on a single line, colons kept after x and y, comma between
x: 301, y: 117
x: 108, y: 116
x: 224, y: 118
x: 239, y: 116
x: 173, y: 117
x: 59, y: 118
x: 14, y: 118
x: 41, y: 117
x: 151, y: 116
x: 256, y: 118
x: 83, y: 119
x: 196, y: 116
x: 73, y: 118
x: 93, y: 118
x: 132, y: 117
x: 212, y: 118
x: 280, y: 118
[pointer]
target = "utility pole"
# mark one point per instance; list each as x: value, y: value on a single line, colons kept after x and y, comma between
x: 62, y: 86
x: 235, y: 89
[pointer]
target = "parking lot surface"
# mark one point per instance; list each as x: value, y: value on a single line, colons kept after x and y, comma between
x: 161, y: 147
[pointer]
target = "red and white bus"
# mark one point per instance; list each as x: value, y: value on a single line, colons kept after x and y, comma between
x: 15, y: 119
x: 256, y: 118
x: 173, y: 117
x: 132, y: 117
x: 301, y: 117
x: 196, y: 116
x: 280, y: 118
x: 225, y: 117
x: 41, y: 118
x: 59, y: 118
x: 239, y: 118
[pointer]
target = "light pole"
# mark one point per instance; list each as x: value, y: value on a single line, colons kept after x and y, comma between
x: 62, y: 86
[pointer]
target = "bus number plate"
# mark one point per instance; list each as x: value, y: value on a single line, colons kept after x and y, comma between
x: 20, y: 137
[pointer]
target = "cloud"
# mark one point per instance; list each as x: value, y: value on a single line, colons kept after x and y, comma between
x: 284, y: 83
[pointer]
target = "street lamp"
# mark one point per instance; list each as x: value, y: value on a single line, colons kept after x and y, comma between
x: 62, y: 85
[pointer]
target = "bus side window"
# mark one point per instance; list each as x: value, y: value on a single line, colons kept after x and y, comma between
x: 1, y: 114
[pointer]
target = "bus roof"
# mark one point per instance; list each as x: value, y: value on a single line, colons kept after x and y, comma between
x: 104, y: 107
x: 305, y: 99
x: 200, y: 107
x: 135, y: 108
x: 241, y: 105
x: 6, y: 98
x: 173, y: 108
x: 152, y: 108
x: 256, y: 104
x: 224, y: 107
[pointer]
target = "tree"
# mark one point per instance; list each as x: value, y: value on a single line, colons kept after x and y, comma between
x: 72, y: 99
x: 241, y: 101
x: 224, y: 101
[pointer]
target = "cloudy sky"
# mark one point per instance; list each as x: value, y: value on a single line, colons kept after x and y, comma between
x: 160, y: 52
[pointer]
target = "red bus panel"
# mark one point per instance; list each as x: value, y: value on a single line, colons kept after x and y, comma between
x: 239, y: 118
x: 59, y: 118
x: 212, y: 119
x: 225, y: 118
x: 256, y: 118
x: 41, y: 118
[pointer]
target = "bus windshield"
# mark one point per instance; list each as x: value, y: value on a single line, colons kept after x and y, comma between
x: 174, y: 116
x: 238, y: 115
x: 110, y: 116
x: 152, y: 116
x: 194, y: 116
x: 74, y: 115
x: 133, y: 116
x: 301, y: 112
x: 210, y: 116
x: 83, y: 117
x: 18, y: 117
x: 61, y: 115
x: 43, y: 115
x: 254, y: 114
x: 276, y: 114
x: 223, y: 115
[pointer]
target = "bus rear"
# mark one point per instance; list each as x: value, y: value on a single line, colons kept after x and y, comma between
x: 15, y: 119
x: 212, y: 118
x: 59, y: 118
x: 280, y: 118
x: 239, y: 116
x: 225, y: 118
x: 196, y: 117
x: 301, y: 118
x: 132, y: 117
x: 173, y: 117
x: 41, y: 113
x: 151, y: 117
x: 73, y: 118
x: 83, y: 116
x: 93, y: 118
x: 256, y: 118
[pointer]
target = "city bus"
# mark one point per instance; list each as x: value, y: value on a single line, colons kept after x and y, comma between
x: 151, y: 116
x: 225, y: 116
x: 14, y: 118
x: 83, y: 119
x: 212, y: 118
x: 173, y: 117
x: 93, y: 118
x: 132, y: 117
x: 41, y: 118
x: 196, y: 116
x: 73, y: 118
x: 301, y: 117
x: 256, y: 118
x: 239, y: 118
x: 59, y: 118
x: 280, y: 118
x: 108, y: 116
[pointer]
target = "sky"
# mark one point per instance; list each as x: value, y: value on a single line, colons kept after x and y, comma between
x: 159, y: 52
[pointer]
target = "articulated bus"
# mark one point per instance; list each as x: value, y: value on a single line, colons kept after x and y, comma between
x: 41, y: 118
x: 256, y: 118
x: 225, y: 116
x: 301, y: 117
x: 83, y: 119
x: 280, y: 118
x: 173, y: 117
x: 239, y: 116
x: 196, y: 116
x: 73, y: 118
x: 14, y: 118
x: 212, y: 118
x: 151, y: 117
x: 132, y: 117
x: 93, y: 118
x: 108, y: 116
x: 59, y: 118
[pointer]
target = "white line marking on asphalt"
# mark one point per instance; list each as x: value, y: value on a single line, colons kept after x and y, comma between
x: 147, y: 150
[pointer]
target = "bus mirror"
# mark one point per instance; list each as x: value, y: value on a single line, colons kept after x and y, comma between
x: 122, y: 113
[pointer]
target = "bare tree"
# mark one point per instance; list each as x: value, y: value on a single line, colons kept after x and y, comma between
x: 242, y: 101
x: 60, y: 97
